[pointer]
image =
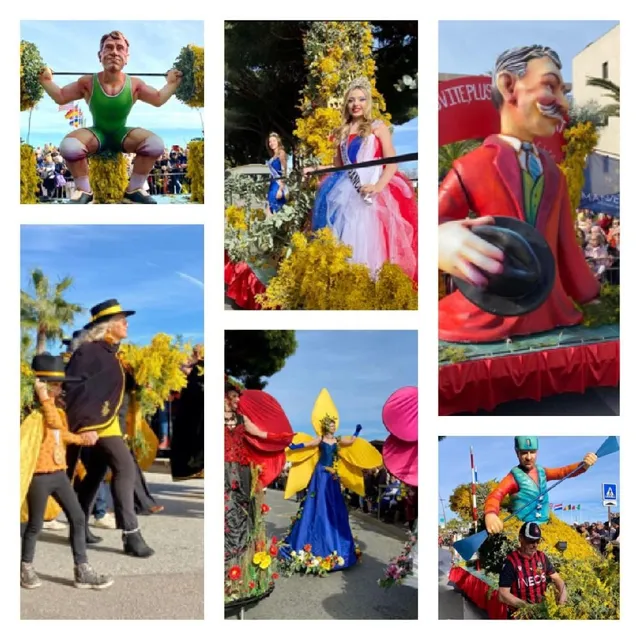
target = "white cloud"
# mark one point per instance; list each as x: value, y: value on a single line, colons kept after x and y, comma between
x: 195, y: 281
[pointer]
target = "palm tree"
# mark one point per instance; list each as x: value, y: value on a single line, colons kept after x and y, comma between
x: 450, y: 152
x: 48, y: 312
x: 613, y: 94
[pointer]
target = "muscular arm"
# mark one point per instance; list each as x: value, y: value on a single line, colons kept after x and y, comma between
x: 61, y: 95
x: 506, y: 487
x: 154, y: 97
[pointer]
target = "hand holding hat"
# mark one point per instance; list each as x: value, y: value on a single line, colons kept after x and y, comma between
x: 528, y: 271
x: 466, y: 255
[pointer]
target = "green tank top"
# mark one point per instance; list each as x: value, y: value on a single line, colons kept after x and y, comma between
x: 110, y: 112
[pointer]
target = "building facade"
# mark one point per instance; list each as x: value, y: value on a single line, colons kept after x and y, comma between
x: 600, y: 59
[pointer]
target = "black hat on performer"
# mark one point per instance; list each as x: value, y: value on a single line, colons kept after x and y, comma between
x: 50, y: 368
x: 76, y: 334
x: 105, y: 311
x: 529, y: 269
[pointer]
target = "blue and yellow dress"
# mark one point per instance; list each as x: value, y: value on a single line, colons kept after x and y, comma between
x: 321, y: 528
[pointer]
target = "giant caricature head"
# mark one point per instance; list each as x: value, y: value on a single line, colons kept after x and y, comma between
x: 527, y: 451
x: 528, y: 89
x: 114, y: 51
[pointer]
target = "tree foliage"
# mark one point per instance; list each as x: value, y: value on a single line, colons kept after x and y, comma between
x: 460, y: 499
x: 46, y: 312
x: 613, y: 93
x: 265, y: 72
x: 252, y: 355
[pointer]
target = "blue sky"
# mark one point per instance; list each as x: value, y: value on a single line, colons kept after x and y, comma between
x: 361, y: 369
x: 155, y: 270
x: 154, y: 46
x: 405, y: 140
x: 495, y: 457
x: 472, y: 46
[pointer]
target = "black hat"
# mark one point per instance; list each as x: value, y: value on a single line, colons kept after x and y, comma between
x: 105, y: 310
x: 530, y: 531
x: 51, y: 369
x: 529, y: 269
x: 68, y: 341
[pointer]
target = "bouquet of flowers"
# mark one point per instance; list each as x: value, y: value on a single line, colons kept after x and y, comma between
x: 305, y: 561
x: 401, y: 567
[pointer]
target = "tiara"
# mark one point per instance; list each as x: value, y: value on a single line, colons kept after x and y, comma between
x: 360, y: 83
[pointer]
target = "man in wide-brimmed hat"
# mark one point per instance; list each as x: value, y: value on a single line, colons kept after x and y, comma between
x: 94, y: 404
x: 511, y: 176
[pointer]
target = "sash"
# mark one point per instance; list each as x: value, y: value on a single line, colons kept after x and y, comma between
x: 352, y: 173
x: 277, y: 176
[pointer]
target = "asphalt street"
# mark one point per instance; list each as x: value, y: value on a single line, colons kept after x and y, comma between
x: 352, y: 594
x: 169, y: 585
x: 602, y: 401
x: 452, y: 605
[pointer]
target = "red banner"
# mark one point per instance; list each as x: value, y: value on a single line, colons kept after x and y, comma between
x: 465, y: 112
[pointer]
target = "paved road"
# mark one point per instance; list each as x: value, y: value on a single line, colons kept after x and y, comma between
x: 452, y: 605
x: 603, y: 401
x: 169, y: 585
x: 343, y: 595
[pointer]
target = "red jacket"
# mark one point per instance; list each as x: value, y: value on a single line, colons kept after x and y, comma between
x: 493, y: 183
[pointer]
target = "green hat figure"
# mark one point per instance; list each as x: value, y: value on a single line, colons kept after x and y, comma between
x: 526, y: 443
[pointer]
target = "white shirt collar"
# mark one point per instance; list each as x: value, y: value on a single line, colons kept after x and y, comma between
x: 516, y: 143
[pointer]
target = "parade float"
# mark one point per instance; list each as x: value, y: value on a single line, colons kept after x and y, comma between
x: 108, y: 169
x: 273, y: 260
x: 592, y: 580
x: 565, y: 341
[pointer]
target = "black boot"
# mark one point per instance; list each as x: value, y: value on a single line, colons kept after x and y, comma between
x: 134, y: 545
x: 91, y: 539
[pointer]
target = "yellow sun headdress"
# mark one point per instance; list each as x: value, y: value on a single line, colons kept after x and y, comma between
x: 352, y: 458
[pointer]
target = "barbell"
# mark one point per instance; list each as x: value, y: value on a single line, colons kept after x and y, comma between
x: 190, y: 62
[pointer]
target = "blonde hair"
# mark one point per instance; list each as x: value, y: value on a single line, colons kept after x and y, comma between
x: 364, y: 128
x: 278, y: 139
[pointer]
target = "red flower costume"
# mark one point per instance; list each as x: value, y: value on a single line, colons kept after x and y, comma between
x: 250, y: 463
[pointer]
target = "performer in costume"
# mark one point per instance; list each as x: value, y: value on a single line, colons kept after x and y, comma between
x: 509, y: 176
x: 373, y: 210
x: 253, y: 458
x: 111, y: 95
x: 526, y: 482
x: 43, y: 436
x: 277, y: 196
x: 321, y: 465
x: 93, y: 404
x: 187, y: 443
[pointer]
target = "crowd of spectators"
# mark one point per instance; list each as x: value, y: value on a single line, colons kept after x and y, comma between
x: 599, y: 237
x: 168, y: 176
x: 601, y: 535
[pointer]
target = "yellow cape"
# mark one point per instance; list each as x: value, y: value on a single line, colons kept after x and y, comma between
x: 352, y: 458
x: 31, y: 438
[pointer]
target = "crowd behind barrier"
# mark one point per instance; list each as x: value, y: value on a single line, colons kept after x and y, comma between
x: 168, y: 176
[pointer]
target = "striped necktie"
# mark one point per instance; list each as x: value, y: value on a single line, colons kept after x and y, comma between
x: 531, y: 161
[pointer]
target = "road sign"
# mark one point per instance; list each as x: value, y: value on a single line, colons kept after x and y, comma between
x: 609, y: 494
